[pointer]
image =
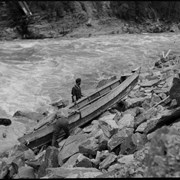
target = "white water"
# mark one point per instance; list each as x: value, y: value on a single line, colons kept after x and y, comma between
x: 33, y: 73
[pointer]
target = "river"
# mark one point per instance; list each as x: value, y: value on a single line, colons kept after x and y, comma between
x: 34, y: 73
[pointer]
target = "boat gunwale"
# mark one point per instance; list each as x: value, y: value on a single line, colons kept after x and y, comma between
x: 133, y: 76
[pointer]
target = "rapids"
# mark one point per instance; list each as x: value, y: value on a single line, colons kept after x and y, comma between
x: 34, y: 73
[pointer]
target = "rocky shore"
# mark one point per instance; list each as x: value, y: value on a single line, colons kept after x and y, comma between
x: 138, y: 137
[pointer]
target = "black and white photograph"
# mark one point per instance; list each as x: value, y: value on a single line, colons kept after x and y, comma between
x: 89, y: 89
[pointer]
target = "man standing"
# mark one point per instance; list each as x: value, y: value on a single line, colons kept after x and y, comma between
x: 76, y: 91
x: 61, y: 118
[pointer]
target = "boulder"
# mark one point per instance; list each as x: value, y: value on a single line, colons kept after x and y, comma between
x: 174, y: 91
x: 71, y: 162
x: 91, y: 128
x: 138, y: 94
x: 146, y: 105
x: 155, y: 99
x: 139, y: 140
x: 29, y: 155
x: 126, y: 159
x: 76, y: 131
x: 71, y: 146
x: 173, y: 103
x: 50, y: 160
x: 108, y: 125
x: 89, y: 147
x: 151, y: 83
x: 26, y: 173
x: 140, y: 155
x: 114, y: 166
x: 162, y: 95
x: 107, y: 161
x: 100, y: 156
x: 118, y: 138
x: 128, y: 146
x: 127, y: 121
x: 89, y: 174
x: 3, y: 169
x: 117, y: 113
x: 176, y: 125
x: 133, y: 111
x: 96, y: 133
x: 83, y: 161
x: 134, y: 102
x: 163, y: 159
x: 66, y: 172
x: 102, y: 141
x: 141, y: 127
x: 145, y: 116
x: 112, y: 174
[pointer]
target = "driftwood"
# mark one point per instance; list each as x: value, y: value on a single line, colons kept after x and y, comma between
x: 163, y: 121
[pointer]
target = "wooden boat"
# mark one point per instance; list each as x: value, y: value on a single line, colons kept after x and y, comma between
x: 89, y: 107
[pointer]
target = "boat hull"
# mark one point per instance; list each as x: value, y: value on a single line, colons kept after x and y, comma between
x: 43, y: 135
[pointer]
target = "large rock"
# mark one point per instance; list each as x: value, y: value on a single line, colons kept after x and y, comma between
x: 100, y: 156
x: 97, y: 133
x: 3, y: 169
x: 71, y: 162
x: 26, y: 173
x: 163, y: 159
x: 145, y: 116
x: 93, y: 128
x: 151, y: 83
x: 50, y: 160
x: 71, y: 146
x: 107, y: 161
x: 140, y: 155
x: 133, y: 111
x: 66, y: 172
x: 108, y: 125
x: 103, y: 141
x: 89, y: 147
x: 134, y: 102
x: 155, y: 99
x: 128, y: 146
x: 119, y: 138
x: 141, y: 127
x: 139, y: 140
x: 146, y: 105
x: 83, y: 161
x: 29, y: 155
x: 126, y: 159
x: 127, y: 121
x: 112, y: 174
x: 175, y: 90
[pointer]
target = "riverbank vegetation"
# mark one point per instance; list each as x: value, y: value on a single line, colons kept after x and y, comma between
x: 52, y: 19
